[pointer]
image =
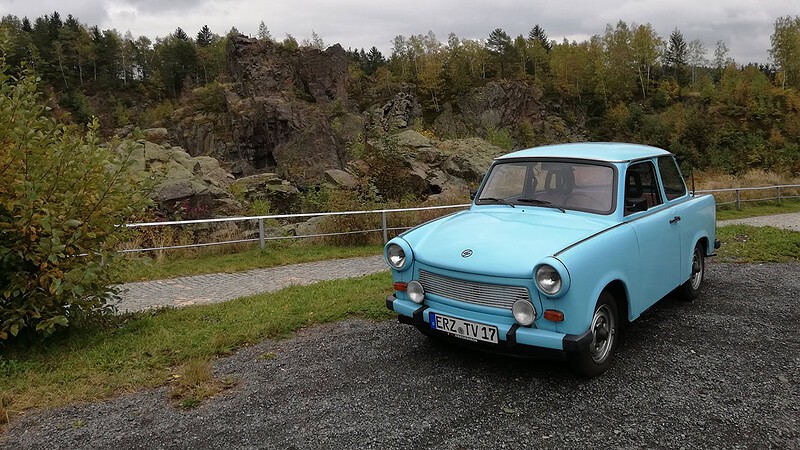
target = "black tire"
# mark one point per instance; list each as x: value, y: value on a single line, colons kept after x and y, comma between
x: 605, y: 326
x: 690, y: 290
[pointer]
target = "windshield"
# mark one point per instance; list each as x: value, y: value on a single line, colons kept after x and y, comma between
x: 559, y: 184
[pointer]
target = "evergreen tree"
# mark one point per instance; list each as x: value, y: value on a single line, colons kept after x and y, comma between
x: 180, y: 34
x: 676, y: 56
x: 263, y: 32
x: 538, y: 35
x: 204, y: 37
x: 501, y: 48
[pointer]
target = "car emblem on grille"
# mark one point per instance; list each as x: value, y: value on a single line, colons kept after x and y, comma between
x: 466, y: 253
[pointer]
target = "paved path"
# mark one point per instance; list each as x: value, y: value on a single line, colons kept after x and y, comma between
x: 220, y: 287
x: 790, y: 221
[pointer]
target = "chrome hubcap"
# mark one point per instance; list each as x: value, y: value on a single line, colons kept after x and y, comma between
x: 697, y: 269
x: 603, y: 329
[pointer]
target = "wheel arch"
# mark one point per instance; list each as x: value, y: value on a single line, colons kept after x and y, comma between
x: 619, y: 291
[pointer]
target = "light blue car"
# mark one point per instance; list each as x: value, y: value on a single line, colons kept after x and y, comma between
x: 560, y: 247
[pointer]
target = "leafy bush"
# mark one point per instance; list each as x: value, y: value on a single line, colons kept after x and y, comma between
x: 62, y: 196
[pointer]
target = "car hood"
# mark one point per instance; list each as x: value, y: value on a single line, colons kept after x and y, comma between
x: 503, y: 242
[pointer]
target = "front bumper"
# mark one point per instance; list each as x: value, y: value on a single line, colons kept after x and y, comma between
x: 514, y: 339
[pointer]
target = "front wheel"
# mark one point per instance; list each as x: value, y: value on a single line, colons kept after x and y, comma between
x: 690, y: 290
x: 604, y: 329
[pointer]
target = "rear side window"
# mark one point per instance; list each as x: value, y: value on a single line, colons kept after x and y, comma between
x: 641, y: 188
x: 671, y: 178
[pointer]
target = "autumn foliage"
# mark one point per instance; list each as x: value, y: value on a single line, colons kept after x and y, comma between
x: 62, y: 197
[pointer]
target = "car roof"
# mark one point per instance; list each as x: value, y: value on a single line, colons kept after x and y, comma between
x: 599, y: 151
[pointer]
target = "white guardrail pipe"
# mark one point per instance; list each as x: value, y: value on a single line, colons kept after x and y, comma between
x: 385, y: 229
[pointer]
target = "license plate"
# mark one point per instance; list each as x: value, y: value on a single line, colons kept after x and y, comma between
x: 464, y: 329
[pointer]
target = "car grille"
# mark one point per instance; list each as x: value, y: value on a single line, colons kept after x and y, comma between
x: 494, y: 295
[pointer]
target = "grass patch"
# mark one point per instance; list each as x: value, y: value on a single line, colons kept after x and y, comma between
x: 194, y: 382
x: 757, y: 209
x: 742, y: 243
x: 145, y: 268
x: 149, y: 349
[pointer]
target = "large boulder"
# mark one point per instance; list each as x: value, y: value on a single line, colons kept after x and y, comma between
x: 340, y: 178
x: 185, y: 186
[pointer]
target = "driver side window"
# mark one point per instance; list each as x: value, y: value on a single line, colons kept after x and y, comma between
x: 641, y: 188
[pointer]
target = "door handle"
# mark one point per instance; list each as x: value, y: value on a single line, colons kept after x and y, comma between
x: 675, y: 219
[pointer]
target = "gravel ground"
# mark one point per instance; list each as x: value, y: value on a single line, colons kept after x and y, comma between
x: 721, y: 372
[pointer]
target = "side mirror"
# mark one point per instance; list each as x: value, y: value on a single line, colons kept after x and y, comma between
x: 472, y: 194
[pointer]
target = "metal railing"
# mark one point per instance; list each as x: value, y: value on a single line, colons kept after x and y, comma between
x: 780, y: 194
x: 730, y: 196
x: 262, y: 236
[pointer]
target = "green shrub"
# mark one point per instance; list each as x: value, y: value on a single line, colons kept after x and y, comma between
x: 499, y: 138
x: 62, y: 196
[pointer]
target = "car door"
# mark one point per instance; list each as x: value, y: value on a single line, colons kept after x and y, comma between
x: 656, y: 227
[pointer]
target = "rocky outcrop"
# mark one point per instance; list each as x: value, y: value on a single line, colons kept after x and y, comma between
x: 505, y: 104
x: 398, y: 113
x: 282, y: 113
x: 279, y: 194
x: 184, y: 186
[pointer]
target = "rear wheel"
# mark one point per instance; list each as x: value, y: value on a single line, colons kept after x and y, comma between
x: 604, y: 329
x: 690, y: 290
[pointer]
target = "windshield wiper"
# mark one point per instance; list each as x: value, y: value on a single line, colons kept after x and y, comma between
x: 497, y: 200
x: 541, y: 203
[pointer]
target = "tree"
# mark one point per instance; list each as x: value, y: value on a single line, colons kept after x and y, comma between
x: 537, y: 35
x: 619, y: 60
x: 539, y: 47
x: 180, y: 34
x: 696, y: 56
x: 646, y: 45
x: 263, y: 32
x: 721, y: 59
x: 204, y: 37
x: 315, y: 42
x: 177, y: 61
x: 785, y: 50
x: 290, y: 42
x: 676, y: 56
x: 501, y: 48
x: 62, y: 199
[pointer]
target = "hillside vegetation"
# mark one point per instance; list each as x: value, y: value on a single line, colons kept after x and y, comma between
x: 626, y: 83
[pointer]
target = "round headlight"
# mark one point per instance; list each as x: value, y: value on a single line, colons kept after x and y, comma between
x: 395, y: 256
x: 415, y: 292
x: 548, y: 279
x: 523, y: 312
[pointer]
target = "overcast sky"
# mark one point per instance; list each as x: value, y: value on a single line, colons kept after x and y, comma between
x: 744, y: 25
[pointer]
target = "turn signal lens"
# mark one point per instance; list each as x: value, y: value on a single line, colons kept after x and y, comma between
x: 553, y: 315
x: 399, y: 286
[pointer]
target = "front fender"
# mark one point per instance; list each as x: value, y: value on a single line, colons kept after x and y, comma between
x: 594, y: 264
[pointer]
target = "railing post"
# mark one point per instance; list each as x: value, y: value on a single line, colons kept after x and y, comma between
x: 779, y: 195
x: 261, y: 233
x: 738, y: 201
x: 383, y: 227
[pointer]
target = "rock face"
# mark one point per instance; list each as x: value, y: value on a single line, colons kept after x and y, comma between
x: 284, y: 112
x: 435, y: 169
x: 398, y: 113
